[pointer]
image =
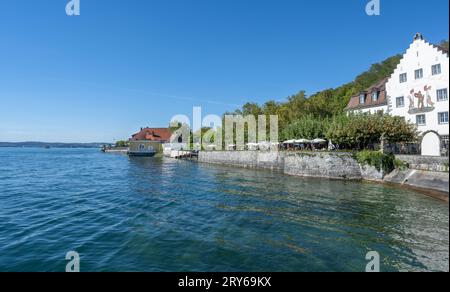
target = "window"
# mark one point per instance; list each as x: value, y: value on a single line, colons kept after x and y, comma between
x: 436, y: 69
x: 403, y: 78
x: 418, y: 73
x: 362, y: 98
x: 442, y: 94
x: 400, y: 101
x: 375, y: 95
x: 421, y: 120
x: 443, y: 118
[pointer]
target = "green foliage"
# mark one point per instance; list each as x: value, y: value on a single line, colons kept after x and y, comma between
x: 400, y: 164
x: 175, y: 126
x: 444, y: 44
x: 122, y: 144
x: 358, y: 131
x: 307, y: 127
x: 326, y: 104
x: 376, y: 73
x: 377, y: 159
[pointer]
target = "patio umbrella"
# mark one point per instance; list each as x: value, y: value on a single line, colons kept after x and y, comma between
x: 303, y: 141
x: 289, y: 142
x: 319, y: 141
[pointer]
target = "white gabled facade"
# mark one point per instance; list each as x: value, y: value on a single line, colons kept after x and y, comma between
x: 418, y: 90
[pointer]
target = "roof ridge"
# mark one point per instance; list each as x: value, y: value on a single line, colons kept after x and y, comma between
x: 439, y: 48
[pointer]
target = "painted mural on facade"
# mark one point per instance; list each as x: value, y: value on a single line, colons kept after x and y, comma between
x: 424, y: 100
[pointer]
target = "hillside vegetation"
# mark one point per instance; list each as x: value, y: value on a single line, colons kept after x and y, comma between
x: 324, y: 104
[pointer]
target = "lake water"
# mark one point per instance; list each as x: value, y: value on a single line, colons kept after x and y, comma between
x: 157, y: 214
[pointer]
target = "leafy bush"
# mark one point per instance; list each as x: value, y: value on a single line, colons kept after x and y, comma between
x: 400, y: 164
x: 377, y: 159
x: 358, y: 131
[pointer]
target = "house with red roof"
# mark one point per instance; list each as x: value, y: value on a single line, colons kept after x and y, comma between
x: 372, y: 100
x: 153, y: 134
x: 149, y: 141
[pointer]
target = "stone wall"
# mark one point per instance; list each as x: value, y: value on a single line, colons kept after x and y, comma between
x: 320, y: 164
x: 328, y: 165
x: 425, y: 163
x: 339, y: 166
x: 248, y: 159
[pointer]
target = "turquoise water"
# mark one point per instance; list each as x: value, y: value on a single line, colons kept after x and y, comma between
x: 156, y: 214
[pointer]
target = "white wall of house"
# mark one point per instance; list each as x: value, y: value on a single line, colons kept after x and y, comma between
x: 433, y: 114
x: 371, y: 110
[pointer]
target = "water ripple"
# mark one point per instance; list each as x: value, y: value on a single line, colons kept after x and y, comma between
x: 158, y: 214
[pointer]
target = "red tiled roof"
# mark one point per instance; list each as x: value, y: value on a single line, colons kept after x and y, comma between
x: 153, y: 134
x: 354, y: 103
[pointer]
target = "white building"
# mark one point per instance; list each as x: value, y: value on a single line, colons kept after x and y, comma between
x: 418, y: 91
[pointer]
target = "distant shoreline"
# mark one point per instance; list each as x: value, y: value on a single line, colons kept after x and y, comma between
x: 50, y: 144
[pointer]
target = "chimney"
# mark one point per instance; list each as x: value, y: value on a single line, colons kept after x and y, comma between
x: 418, y: 36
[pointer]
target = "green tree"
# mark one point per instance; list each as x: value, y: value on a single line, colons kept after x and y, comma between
x: 444, y: 45
x: 122, y: 144
x: 306, y: 127
x: 358, y: 131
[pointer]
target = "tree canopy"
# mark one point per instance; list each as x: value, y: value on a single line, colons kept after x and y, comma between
x: 324, y: 104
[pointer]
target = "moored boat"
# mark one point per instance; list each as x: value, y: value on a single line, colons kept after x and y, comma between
x: 141, y: 153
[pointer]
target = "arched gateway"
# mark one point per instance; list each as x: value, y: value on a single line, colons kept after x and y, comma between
x: 431, y: 144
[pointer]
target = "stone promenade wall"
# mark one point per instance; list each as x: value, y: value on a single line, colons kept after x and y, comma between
x: 425, y: 163
x: 317, y: 164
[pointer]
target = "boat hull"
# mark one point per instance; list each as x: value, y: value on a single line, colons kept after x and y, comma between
x: 142, y: 154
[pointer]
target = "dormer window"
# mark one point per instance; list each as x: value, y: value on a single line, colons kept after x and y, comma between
x: 375, y: 95
x: 362, y: 98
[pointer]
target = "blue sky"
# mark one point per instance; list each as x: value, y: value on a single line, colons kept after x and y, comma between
x: 126, y: 64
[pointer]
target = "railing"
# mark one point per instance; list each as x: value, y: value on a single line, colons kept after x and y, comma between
x: 403, y: 149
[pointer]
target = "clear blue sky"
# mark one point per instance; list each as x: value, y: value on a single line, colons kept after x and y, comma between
x: 126, y: 64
